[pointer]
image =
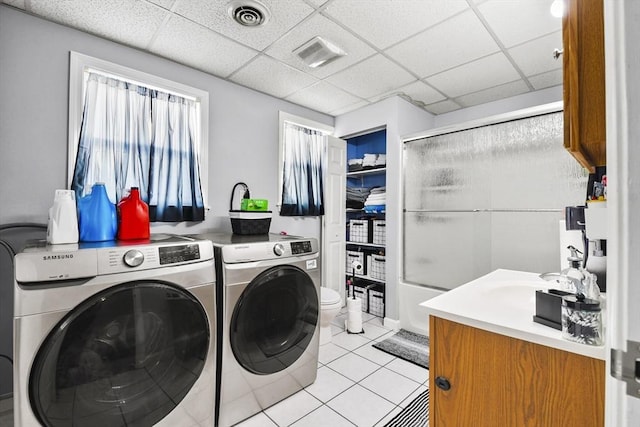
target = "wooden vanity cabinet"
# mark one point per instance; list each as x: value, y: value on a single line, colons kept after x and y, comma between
x: 584, y: 82
x: 494, y: 380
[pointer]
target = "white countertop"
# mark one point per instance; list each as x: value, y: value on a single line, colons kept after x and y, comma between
x: 503, y: 302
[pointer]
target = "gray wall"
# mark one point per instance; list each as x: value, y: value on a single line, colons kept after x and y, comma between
x: 34, y: 76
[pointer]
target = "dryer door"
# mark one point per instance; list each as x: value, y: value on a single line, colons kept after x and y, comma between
x: 274, y: 320
x: 127, y: 356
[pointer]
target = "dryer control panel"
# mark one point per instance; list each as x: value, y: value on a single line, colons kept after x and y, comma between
x: 263, y: 251
x: 303, y: 247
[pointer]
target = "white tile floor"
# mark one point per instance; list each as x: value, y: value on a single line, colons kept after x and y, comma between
x: 356, y: 385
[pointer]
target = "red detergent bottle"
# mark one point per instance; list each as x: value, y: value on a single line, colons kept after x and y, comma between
x: 133, y: 217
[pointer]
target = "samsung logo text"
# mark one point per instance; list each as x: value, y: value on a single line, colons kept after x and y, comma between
x: 56, y: 257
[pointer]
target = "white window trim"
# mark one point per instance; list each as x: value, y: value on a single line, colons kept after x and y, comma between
x: 300, y: 121
x: 79, y: 63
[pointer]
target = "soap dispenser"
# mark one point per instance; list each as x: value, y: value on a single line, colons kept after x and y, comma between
x: 572, y: 278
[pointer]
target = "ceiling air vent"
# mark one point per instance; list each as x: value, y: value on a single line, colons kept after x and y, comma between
x: 318, y: 51
x: 248, y: 13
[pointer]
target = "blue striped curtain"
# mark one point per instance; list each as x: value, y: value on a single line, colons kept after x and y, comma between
x: 132, y: 136
x: 303, y: 172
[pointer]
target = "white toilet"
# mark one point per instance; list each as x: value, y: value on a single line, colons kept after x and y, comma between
x: 330, y: 305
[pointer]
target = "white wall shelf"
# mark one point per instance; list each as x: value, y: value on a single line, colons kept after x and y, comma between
x: 358, y: 174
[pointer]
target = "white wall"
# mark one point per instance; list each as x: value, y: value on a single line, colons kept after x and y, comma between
x: 507, y: 105
x: 34, y: 74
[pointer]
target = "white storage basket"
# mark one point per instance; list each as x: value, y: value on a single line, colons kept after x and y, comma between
x: 355, y: 256
x: 377, y: 267
x: 379, y: 232
x: 359, y: 230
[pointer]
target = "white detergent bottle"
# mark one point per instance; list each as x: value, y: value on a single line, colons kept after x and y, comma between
x: 63, y: 218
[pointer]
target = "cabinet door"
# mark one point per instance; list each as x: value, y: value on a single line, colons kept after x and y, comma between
x: 500, y: 381
x: 584, y: 82
x: 333, y: 221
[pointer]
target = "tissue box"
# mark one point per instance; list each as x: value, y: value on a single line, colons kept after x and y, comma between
x: 549, y: 307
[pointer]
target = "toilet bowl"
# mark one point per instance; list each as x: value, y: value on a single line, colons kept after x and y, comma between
x: 330, y: 305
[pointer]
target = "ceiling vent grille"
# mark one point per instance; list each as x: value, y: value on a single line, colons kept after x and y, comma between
x: 318, y: 52
x: 248, y: 13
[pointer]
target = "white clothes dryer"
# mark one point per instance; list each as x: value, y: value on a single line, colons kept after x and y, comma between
x: 269, y: 320
x: 113, y: 334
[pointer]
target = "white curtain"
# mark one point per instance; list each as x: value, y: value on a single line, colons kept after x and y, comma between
x: 303, y: 171
x: 132, y: 136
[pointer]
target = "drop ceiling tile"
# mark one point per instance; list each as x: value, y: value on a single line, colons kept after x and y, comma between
x: 386, y: 22
x: 15, y: 3
x: 517, y: 21
x: 272, y: 77
x: 418, y: 91
x: 545, y: 80
x: 189, y: 43
x: 349, y: 108
x: 373, y: 76
x: 445, y: 45
x: 484, y: 73
x: 321, y: 26
x: 127, y: 22
x: 492, y: 94
x: 442, y: 107
x: 317, y: 3
x: 213, y: 14
x: 167, y: 4
x: 536, y: 56
x: 323, y: 97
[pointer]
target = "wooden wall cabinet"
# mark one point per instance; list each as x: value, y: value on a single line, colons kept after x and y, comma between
x: 584, y: 82
x: 495, y: 380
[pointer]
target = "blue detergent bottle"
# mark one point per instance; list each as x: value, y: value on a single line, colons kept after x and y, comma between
x: 97, y: 218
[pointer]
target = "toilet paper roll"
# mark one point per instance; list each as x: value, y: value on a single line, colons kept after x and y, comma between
x: 355, y: 324
x: 354, y: 316
x: 354, y: 304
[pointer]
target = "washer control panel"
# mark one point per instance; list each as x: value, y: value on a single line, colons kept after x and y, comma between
x: 122, y: 259
x: 40, y: 262
x: 180, y: 253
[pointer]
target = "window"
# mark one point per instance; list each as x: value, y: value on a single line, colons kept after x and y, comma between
x: 302, y: 159
x: 130, y: 129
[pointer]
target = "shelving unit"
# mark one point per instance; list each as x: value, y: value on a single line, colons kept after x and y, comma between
x: 361, y: 246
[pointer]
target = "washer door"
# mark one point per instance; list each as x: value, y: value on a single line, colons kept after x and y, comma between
x: 274, y: 320
x: 124, y: 357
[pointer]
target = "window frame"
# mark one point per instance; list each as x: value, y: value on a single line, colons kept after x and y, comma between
x: 79, y: 64
x: 284, y: 117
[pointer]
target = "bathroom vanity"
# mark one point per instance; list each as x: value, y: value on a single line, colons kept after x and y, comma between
x: 490, y: 364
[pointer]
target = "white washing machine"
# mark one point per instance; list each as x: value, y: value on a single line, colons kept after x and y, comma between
x: 112, y: 334
x: 269, y: 317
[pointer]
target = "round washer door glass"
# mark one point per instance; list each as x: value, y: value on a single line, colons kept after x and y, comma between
x: 274, y: 320
x: 124, y: 357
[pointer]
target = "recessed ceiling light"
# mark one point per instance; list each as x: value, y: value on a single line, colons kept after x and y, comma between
x: 248, y: 13
x: 318, y: 52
